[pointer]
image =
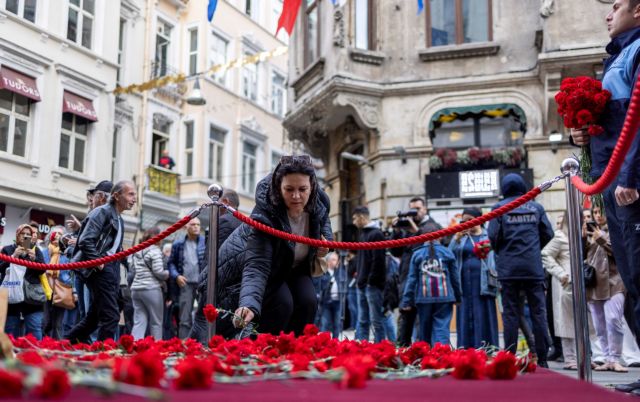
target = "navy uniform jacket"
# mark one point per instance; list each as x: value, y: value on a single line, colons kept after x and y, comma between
x: 518, y: 236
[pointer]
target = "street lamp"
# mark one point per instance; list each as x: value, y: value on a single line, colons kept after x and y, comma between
x: 195, y: 97
x: 356, y: 158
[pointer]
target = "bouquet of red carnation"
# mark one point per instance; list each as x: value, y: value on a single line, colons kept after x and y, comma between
x: 581, y: 101
x: 482, y: 249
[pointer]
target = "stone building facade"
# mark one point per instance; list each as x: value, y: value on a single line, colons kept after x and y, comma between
x: 399, y: 90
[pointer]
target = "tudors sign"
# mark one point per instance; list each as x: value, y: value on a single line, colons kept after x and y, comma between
x: 19, y: 83
x: 479, y: 183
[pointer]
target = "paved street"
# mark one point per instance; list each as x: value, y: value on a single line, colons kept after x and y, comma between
x: 604, y: 378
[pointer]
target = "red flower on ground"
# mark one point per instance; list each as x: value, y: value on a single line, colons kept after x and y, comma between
x: 145, y: 369
x: 55, y: 385
x: 210, y: 313
x: 504, y: 366
x: 126, y: 341
x: 194, y: 373
x: 31, y: 357
x: 468, y: 364
x: 10, y: 384
x: 310, y: 329
x: 357, y: 370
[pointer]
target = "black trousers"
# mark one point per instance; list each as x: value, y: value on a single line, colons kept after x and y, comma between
x: 534, y: 292
x: 290, y: 307
x: 104, y: 313
x: 406, y: 322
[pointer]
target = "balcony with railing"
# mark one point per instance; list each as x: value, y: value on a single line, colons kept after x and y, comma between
x: 160, y: 68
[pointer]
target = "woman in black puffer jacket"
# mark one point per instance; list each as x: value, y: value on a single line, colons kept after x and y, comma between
x: 264, y: 279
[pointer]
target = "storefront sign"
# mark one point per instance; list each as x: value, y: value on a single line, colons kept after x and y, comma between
x: 3, y: 217
x: 46, y: 220
x: 19, y: 83
x: 79, y: 106
x: 479, y: 184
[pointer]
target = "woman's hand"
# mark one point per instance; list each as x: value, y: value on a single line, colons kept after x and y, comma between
x: 565, y: 280
x: 596, y: 234
x: 18, y: 252
x: 32, y: 254
x: 322, y: 251
x: 242, y: 316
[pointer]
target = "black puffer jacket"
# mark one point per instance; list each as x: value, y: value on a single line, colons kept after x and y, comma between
x: 252, y: 263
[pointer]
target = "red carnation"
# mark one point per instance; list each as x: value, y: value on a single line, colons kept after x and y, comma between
x: 210, y: 313
x: 357, y: 369
x: 55, y: 384
x: 584, y: 117
x: 595, y: 130
x: 504, y: 366
x: 194, y: 373
x: 310, y: 329
x: 10, y: 384
x: 580, y: 102
x: 468, y: 364
x: 126, y: 341
x: 145, y: 369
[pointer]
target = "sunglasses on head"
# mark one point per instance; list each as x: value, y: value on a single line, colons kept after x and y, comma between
x: 295, y: 158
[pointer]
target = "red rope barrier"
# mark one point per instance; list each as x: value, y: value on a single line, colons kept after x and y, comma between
x: 391, y: 243
x: 628, y: 133
x: 104, y: 260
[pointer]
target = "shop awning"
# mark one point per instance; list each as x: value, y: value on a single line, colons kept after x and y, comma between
x: 462, y: 113
x: 79, y: 106
x: 19, y: 83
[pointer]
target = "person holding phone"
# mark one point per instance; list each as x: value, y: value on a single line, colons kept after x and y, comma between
x: 606, y: 299
x: 25, y: 249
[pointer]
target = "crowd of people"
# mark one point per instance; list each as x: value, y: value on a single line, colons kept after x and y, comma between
x: 517, y: 268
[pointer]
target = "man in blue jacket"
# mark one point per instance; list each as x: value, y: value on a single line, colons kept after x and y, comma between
x: 185, y: 263
x: 621, y: 203
x: 517, y: 238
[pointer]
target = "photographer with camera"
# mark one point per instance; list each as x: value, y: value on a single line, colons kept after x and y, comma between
x: 409, y: 223
x: 30, y: 310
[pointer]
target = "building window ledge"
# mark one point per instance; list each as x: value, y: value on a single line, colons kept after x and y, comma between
x: 309, y: 77
x: 72, y: 175
x: 367, y: 56
x: 18, y: 160
x: 450, y: 52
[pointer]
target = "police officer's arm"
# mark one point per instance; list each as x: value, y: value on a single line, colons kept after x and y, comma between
x: 629, y: 176
x: 495, y: 232
x: 545, y: 228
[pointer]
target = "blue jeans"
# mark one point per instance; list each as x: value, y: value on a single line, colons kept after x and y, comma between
x: 352, y: 303
x: 435, y: 319
x: 331, y: 318
x: 32, y: 324
x: 390, y: 328
x: 370, y: 313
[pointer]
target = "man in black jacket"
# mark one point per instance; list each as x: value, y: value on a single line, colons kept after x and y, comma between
x: 371, y: 272
x: 100, y: 235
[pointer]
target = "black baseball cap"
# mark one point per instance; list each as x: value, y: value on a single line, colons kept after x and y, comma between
x: 104, y: 186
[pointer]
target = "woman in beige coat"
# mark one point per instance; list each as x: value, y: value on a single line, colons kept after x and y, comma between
x: 606, y: 299
x: 556, y: 261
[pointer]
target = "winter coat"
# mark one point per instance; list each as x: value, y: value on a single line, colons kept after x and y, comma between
x: 226, y: 225
x: 556, y: 261
x: 148, y: 270
x: 488, y: 265
x: 518, y: 236
x: 98, y: 233
x: 326, y: 281
x: 253, y: 264
x: 176, y: 259
x: 371, y: 265
x: 608, y: 280
x: 428, y: 285
x: 31, y: 275
x: 620, y: 73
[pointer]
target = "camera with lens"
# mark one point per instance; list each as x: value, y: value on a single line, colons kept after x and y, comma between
x: 404, y: 216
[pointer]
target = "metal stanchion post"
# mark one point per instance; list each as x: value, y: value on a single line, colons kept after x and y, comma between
x: 572, y: 167
x: 214, y: 192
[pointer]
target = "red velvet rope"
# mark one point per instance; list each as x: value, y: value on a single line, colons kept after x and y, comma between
x: 392, y: 243
x: 104, y: 260
x: 628, y: 133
